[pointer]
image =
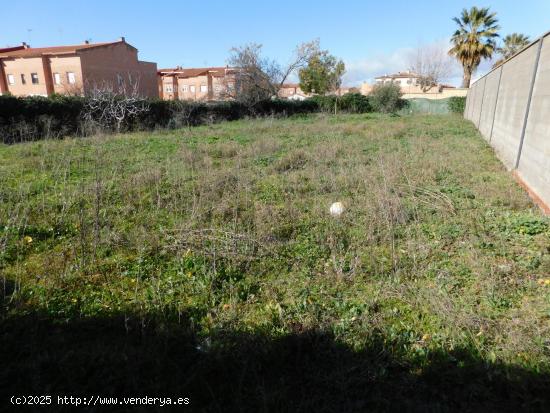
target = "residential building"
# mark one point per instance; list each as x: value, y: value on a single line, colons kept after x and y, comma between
x: 76, y: 69
x: 405, y: 79
x: 344, y: 90
x: 197, y: 84
x: 409, y: 82
x: 292, y: 91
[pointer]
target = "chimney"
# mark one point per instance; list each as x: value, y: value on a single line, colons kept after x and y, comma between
x: 25, y: 45
x: 86, y: 42
x: 122, y: 39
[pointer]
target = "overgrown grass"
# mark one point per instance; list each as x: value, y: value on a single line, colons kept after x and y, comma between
x: 203, y: 263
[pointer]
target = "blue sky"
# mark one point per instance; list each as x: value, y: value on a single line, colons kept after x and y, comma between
x: 372, y: 37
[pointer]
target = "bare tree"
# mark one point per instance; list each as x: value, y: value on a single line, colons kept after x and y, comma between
x: 109, y: 106
x: 300, y: 59
x: 257, y: 77
x: 432, y: 63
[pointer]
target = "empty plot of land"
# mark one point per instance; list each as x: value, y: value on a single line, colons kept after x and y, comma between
x: 204, y: 263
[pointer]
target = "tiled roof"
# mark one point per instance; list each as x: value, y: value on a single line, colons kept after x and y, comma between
x: 11, y: 49
x: 193, y: 72
x: 290, y: 85
x: 399, y: 75
x: 39, y: 51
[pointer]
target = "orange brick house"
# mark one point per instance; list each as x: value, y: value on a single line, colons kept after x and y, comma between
x: 28, y: 71
x: 197, y: 84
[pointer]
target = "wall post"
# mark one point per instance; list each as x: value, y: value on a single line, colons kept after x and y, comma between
x: 482, y: 99
x: 496, y: 102
x: 527, y: 109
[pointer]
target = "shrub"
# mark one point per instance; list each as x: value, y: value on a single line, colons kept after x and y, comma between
x: 386, y: 98
x: 324, y: 103
x: 350, y: 103
x: 354, y: 103
x: 283, y: 107
x: 457, y: 104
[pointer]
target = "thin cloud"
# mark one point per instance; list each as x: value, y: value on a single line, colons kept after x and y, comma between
x: 365, y: 70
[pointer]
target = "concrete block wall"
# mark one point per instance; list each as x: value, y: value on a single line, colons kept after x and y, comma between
x: 511, y: 108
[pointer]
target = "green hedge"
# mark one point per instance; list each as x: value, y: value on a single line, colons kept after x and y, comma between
x: 457, y: 104
x: 35, y: 117
x: 32, y: 118
x: 350, y: 103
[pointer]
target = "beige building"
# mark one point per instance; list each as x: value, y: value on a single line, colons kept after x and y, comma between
x: 292, y: 91
x: 409, y: 82
x: 197, y: 84
x: 405, y: 80
x: 29, y: 71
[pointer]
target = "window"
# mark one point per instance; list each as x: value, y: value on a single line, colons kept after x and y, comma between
x: 192, y: 88
x: 23, y: 80
x: 185, y: 88
x: 168, y: 89
x: 11, y: 79
x: 34, y: 78
x: 409, y: 81
x: 57, y: 78
x: 204, y: 88
x: 71, y: 78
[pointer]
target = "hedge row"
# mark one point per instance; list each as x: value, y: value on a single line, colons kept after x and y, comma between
x: 33, y: 118
x: 350, y: 103
x: 36, y: 117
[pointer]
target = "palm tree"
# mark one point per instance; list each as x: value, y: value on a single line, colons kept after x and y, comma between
x: 474, y: 39
x: 511, y: 44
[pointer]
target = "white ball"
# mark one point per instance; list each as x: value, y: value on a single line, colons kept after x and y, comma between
x: 337, y: 209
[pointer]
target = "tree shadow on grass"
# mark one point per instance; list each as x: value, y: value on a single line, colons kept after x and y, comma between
x: 233, y: 371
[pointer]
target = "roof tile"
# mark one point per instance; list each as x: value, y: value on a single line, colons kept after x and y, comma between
x: 39, y: 51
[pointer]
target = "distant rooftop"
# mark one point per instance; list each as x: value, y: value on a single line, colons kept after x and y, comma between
x: 399, y: 75
x: 195, y: 71
x: 26, y: 50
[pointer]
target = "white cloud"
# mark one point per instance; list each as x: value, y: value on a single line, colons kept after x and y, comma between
x: 365, y: 70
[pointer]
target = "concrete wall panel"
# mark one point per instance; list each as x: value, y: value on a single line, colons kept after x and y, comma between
x: 502, y: 117
x: 467, y: 105
x: 534, y: 166
x: 489, y: 102
x: 474, y: 100
x: 472, y: 94
x: 480, y: 86
x: 511, y: 106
